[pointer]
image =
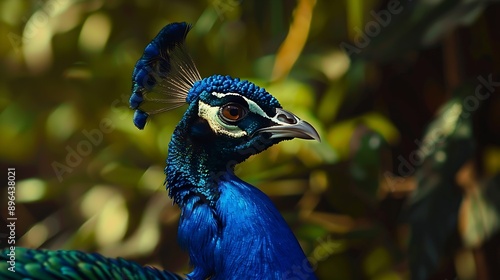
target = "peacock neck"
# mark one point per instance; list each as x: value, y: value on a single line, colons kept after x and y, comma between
x: 242, y: 237
x: 193, y: 168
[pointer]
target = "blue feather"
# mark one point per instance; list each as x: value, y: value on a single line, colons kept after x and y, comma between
x: 140, y: 118
x: 163, y: 75
x: 225, y: 84
x: 243, y: 237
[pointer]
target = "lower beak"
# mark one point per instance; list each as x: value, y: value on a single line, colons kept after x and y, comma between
x: 289, y: 125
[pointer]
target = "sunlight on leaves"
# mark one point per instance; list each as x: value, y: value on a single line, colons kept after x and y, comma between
x: 465, y: 264
x: 291, y: 48
x: 292, y: 94
x: 37, y: 235
x: 284, y: 187
x: 95, y: 33
x: 335, y: 64
x: 37, y: 46
x: 492, y: 160
x: 62, y: 122
x: 479, y: 217
x: 42, y: 231
x: 328, y: 247
x: 318, y: 181
x: 319, y: 152
x: 331, y: 103
x: 29, y: 190
x: 152, y: 180
x: 354, y: 16
x: 95, y: 198
x: 206, y: 21
x: 146, y: 236
x: 112, y: 221
x: 78, y: 72
x: 382, y: 125
x: 11, y: 11
x: 341, y: 133
x: 334, y: 223
x: 378, y: 260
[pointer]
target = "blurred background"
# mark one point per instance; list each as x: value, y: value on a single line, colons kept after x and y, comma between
x: 405, y: 95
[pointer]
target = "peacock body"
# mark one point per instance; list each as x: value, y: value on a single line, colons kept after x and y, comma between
x: 231, y: 229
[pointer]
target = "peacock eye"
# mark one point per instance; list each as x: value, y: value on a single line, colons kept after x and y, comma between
x: 233, y: 112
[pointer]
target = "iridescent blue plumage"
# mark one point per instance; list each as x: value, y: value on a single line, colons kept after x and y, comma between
x: 160, y: 74
x: 243, y: 236
x: 227, y: 84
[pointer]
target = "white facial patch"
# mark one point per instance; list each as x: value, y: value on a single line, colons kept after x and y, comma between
x: 211, y: 115
x: 253, y: 107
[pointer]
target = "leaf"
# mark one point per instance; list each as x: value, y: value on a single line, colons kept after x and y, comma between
x: 418, y: 24
x: 480, y: 213
x: 296, y: 39
x: 18, y: 134
x: 433, y: 207
x: 366, y: 161
x: 62, y: 122
x: 31, y: 189
x: 340, y: 134
x: 120, y: 174
x: 376, y: 261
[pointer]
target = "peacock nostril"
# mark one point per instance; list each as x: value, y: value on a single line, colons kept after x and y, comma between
x: 286, y: 118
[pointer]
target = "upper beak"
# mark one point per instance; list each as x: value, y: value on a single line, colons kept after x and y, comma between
x: 289, y: 125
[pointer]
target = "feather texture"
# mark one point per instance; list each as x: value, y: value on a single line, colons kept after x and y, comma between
x: 242, y: 237
x: 163, y: 75
x: 59, y: 265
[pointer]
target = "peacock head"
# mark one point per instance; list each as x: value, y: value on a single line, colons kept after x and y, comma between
x: 237, y: 118
x: 227, y: 119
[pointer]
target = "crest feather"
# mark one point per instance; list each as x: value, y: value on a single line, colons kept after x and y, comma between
x: 163, y: 75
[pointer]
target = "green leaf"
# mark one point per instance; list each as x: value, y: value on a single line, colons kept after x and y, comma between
x: 418, y: 24
x: 433, y: 207
x: 366, y: 162
x: 480, y: 213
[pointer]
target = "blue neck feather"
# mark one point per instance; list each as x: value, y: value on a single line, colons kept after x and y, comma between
x: 189, y: 164
x: 233, y: 231
x: 242, y: 237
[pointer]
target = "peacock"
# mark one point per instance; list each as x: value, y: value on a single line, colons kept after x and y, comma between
x: 230, y: 229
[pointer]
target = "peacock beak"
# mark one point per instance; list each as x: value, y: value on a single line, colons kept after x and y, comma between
x: 289, y: 125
